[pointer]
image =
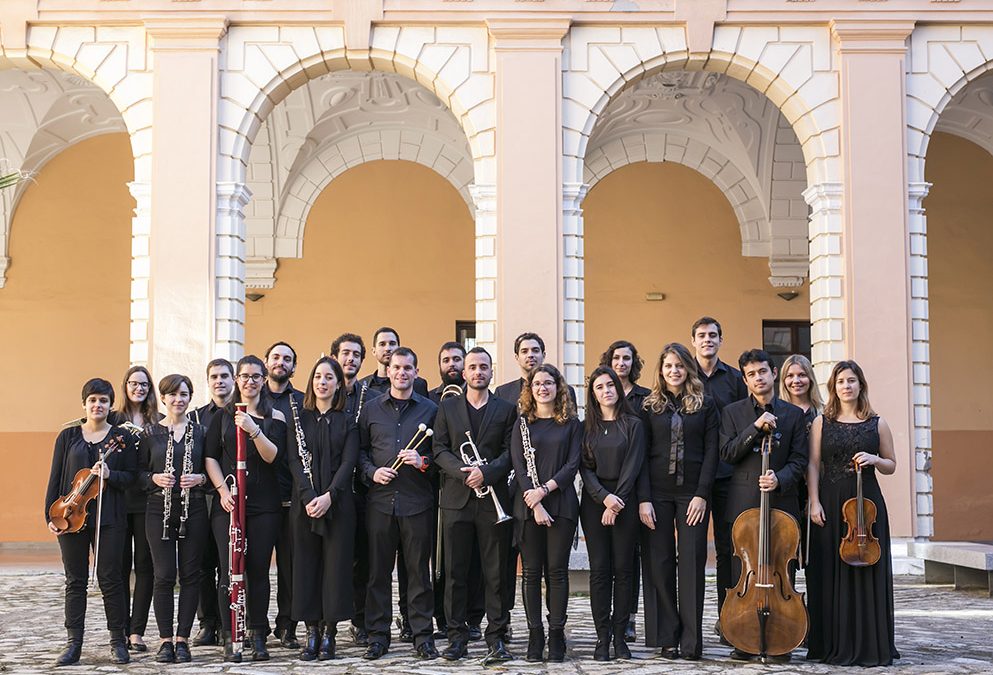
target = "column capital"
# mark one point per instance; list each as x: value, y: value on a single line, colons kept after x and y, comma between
x: 871, y: 37
x: 824, y: 196
x: 538, y: 34
x: 483, y: 197
x: 187, y: 34
x: 233, y: 195
x: 917, y: 192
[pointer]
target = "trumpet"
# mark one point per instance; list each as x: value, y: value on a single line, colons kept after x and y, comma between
x: 422, y: 434
x: 476, y: 461
x: 450, y: 391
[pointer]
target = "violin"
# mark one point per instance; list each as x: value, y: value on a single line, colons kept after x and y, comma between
x: 68, y: 513
x: 764, y: 614
x: 859, y: 548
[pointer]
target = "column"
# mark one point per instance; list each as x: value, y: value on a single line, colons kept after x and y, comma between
x: 877, y: 294
x: 530, y: 260
x: 229, y: 271
x: 573, y: 273
x: 484, y: 199
x: 180, y: 329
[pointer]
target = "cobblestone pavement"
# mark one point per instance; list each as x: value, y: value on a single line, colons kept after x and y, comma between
x: 938, y: 631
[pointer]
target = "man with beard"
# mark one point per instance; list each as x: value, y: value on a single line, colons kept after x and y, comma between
x: 384, y: 342
x: 451, y: 358
x: 220, y: 383
x: 399, y: 515
x: 471, y: 530
x: 281, y: 362
x: 348, y: 350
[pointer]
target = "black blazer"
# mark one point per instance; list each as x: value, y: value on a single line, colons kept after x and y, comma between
x: 450, y: 427
x: 701, y: 438
x: 740, y: 447
x: 334, y: 452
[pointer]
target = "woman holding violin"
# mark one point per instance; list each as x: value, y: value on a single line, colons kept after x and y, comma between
x: 849, y: 574
x: 171, y: 470
x: 78, y: 475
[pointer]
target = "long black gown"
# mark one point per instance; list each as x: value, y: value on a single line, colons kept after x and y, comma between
x: 851, y: 608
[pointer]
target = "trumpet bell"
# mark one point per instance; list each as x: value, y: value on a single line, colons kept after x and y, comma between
x: 503, y: 518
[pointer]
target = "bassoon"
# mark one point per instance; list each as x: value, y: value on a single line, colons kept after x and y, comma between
x: 237, y: 543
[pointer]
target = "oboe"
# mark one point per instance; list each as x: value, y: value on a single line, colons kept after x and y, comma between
x: 529, y: 454
x: 187, y: 470
x: 305, y: 457
x: 167, y: 491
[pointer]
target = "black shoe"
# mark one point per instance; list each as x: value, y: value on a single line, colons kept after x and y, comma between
x: 440, y: 634
x: 475, y: 633
x: 536, y: 645
x: 375, y: 651
x: 498, y: 654
x: 73, y: 650
x: 137, y: 646
x: 183, y: 654
x: 309, y: 652
x: 671, y: 653
x: 359, y: 636
x: 556, y: 645
x: 692, y: 657
x: 738, y: 655
x: 406, y: 635
x: 508, y: 633
x: 621, y: 649
x: 166, y: 653
x: 780, y: 658
x: 259, y: 651
x: 630, y: 634
x: 119, y: 652
x: 717, y: 628
x: 327, y: 650
x: 288, y: 637
x: 205, y: 637
x: 601, y: 652
x: 455, y: 651
x: 426, y: 650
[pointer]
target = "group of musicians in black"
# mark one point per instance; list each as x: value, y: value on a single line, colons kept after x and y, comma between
x: 353, y: 478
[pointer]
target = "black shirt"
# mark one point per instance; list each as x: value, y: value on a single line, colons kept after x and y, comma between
x: 511, y: 391
x: 352, y: 396
x: 151, y: 459
x: 475, y: 416
x: 701, y: 452
x: 725, y: 385
x: 618, y: 455
x: 281, y: 402
x: 262, y: 489
x: 636, y: 397
x: 73, y: 452
x: 204, y: 414
x: 557, y: 449
x: 381, y: 385
x: 386, y: 426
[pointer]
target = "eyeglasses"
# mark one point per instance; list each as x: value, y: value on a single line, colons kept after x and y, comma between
x: 542, y: 385
x: 254, y: 377
x: 138, y: 385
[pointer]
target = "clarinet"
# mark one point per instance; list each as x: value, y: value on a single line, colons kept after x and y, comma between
x: 529, y: 454
x: 187, y: 470
x: 305, y: 456
x: 358, y: 409
x: 167, y: 492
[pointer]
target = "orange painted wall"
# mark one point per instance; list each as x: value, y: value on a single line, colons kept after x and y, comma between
x: 666, y: 228
x: 386, y: 243
x: 63, y: 313
x: 961, y: 327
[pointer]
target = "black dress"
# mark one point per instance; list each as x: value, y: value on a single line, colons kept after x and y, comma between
x: 851, y: 608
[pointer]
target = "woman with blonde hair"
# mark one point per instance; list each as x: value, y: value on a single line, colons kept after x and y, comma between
x: 545, y: 449
x: 682, y: 429
x: 798, y: 385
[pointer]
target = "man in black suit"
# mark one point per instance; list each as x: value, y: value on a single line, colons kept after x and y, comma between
x: 744, y: 424
x: 466, y: 518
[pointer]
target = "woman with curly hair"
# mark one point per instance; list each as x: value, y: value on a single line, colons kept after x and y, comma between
x: 545, y: 451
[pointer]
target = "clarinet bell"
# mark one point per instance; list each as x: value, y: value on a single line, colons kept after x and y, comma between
x: 181, y: 532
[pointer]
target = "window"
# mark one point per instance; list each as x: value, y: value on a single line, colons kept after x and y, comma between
x: 465, y: 334
x: 782, y: 338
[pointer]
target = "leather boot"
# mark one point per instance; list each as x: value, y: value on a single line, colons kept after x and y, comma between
x: 309, y: 652
x: 601, y: 652
x: 229, y: 653
x: 536, y: 644
x: 327, y: 650
x: 556, y: 644
x: 73, y: 650
x: 621, y: 649
x: 259, y: 651
x: 119, y: 647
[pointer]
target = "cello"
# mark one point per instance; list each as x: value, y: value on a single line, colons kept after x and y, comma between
x: 859, y: 547
x: 763, y: 614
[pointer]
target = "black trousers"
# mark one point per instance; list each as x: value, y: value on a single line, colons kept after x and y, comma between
x: 611, y: 551
x: 675, y: 551
x: 635, y: 578
x: 723, y: 547
x: 322, y: 566
x: 545, y: 553
x: 437, y: 581
x: 75, y: 549
x: 471, y: 533
x: 189, y: 552
x: 144, y: 574
x: 360, y: 566
x: 261, y: 532
x: 387, y: 535
x: 284, y: 572
x: 208, y: 613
